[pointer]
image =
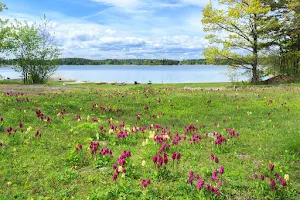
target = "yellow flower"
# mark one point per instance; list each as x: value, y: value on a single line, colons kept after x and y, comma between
x: 286, y: 177
x: 111, y: 131
x: 147, y: 141
x: 120, y: 168
x: 123, y: 175
x: 143, y: 163
x: 143, y: 144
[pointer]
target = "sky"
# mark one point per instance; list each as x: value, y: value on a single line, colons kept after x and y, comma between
x: 119, y: 29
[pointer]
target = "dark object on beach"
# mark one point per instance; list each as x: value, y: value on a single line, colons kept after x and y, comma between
x: 136, y: 83
x: 59, y: 79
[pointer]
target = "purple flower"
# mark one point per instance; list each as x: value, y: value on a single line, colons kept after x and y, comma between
x: 178, y: 156
x: 262, y: 177
x: 1, y: 144
x: 174, y: 155
x: 212, y: 157
x: 114, y: 166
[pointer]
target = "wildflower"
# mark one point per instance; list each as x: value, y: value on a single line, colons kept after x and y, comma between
x: 212, y: 157
x: 115, y: 176
x: 273, y: 183
x: 178, y: 156
x: 271, y: 167
x: 20, y: 124
x: 154, y: 159
x: 165, y: 158
x: 286, y: 177
x: 200, y: 184
x: 124, y: 170
x: 262, y: 177
x: 120, y: 168
x: 283, y: 182
x: 37, y: 133
x: 208, y: 187
x: 143, y: 163
x: 174, y: 155
x: 255, y: 176
x: 221, y: 169
x: 216, y: 159
x: 1, y: 144
x: 114, y: 166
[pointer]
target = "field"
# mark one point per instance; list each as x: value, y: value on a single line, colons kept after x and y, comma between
x: 149, y: 142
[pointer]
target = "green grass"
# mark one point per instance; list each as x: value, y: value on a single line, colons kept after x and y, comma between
x: 49, y: 167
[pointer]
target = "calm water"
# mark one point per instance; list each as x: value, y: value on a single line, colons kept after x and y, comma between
x: 142, y: 74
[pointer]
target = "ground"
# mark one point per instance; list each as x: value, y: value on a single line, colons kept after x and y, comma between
x: 56, y: 146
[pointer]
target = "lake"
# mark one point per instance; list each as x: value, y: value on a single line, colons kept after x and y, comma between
x: 142, y: 74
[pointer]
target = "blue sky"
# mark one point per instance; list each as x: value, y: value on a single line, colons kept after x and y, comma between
x: 100, y: 29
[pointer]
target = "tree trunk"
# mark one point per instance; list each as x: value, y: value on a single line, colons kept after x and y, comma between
x: 255, y: 77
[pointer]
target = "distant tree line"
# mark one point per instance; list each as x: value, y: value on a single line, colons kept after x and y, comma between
x: 82, y: 61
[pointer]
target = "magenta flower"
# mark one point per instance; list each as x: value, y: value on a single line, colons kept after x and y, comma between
x: 1, y: 119
x: 200, y: 184
x: 208, y: 187
x: 165, y: 158
x: 212, y: 157
x: 154, y: 159
x: 174, y: 155
x: 221, y: 169
x: 145, y: 183
x: 283, y: 183
x: 115, y: 176
x: 124, y: 170
x: 216, y: 159
x: 114, y: 166
x: 1, y: 144
x: 37, y: 133
x: 262, y: 177
x: 271, y: 167
x: 21, y: 125
x: 255, y: 176
x: 273, y: 183
x: 178, y: 156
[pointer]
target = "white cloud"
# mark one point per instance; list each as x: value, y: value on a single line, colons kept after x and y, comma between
x: 120, y: 3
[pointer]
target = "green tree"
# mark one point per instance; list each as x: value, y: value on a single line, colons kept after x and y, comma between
x: 4, y: 31
x: 239, y: 32
x: 35, y: 51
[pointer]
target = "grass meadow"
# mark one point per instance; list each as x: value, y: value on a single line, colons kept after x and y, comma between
x: 208, y: 141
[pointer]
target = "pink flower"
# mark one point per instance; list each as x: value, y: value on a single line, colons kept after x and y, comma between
x: 1, y: 144
x: 124, y: 170
x: 114, y: 166
x: 37, y: 133
x: 262, y: 177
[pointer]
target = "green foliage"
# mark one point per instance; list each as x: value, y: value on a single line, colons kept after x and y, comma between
x: 239, y: 32
x: 35, y: 51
